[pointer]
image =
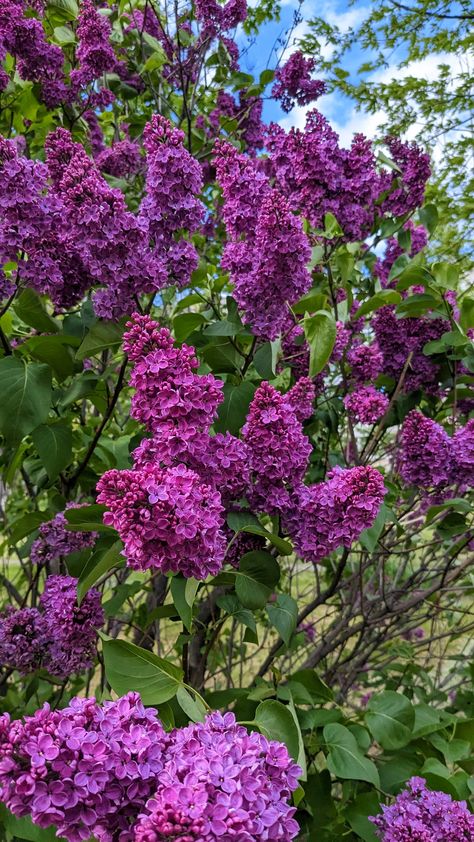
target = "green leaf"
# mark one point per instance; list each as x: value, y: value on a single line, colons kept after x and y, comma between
x: 413, y: 276
x: 128, y: 667
x: 390, y: 718
x: 184, y: 593
x: 380, y: 299
x: 24, y: 829
x: 265, y: 360
x: 314, y: 685
x: 193, y: 707
x: 366, y: 804
x: 320, y: 332
x: 54, y: 351
x: 467, y: 313
x: 345, y: 760
x: 30, y: 310
x: 283, y: 614
x: 369, y: 537
x: 99, y: 563
x: 87, y: 519
x: 64, y: 35
x: 68, y: 8
x: 101, y: 337
x: 222, y: 328
x: 417, y: 305
x: 234, y: 408
x: 54, y: 445
x: 26, y: 397
x: 23, y: 526
x: 429, y: 217
x: 266, y: 76
x: 233, y: 608
x: 256, y: 578
x: 275, y: 722
x: 247, y: 522
x: 185, y: 324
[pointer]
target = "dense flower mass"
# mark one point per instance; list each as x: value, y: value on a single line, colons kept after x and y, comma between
x: 87, y: 769
x: 220, y: 782
x: 366, y: 404
x: 426, y: 458
x: 463, y: 455
x: 401, y: 342
x: 333, y: 513
x: 111, y: 771
x: 60, y: 636
x: 420, y: 815
x: 166, y: 518
x: 278, y: 449
x: 94, y: 52
x: 293, y: 83
x: 365, y: 361
x: 55, y: 541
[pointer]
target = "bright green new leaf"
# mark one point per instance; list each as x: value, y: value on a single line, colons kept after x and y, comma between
x: 129, y: 667
x: 320, y: 332
x: 345, y: 759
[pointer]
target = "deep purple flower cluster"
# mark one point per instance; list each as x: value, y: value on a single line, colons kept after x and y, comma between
x: 365, y: 361
x: 333, y: 513
x: 463, y: 455
x: 121, y: 160
x: 278, y: 450
x: 215, y: 18
x: 171, y: 204
x: 300, y: 398
x: 60, y: 636
x: 407, y: 189
x: 220, y: 782
x: 166, y: 518
x: 398, y: 338
x: 244, y: 186
x: 55, y: 541
x: 272, y: 271
x: 293, y: 83
x: 94, y: 52
x: 167, y: 391
x: 425, y: 458
x: 87, y: 769
x: 420, y: 815
x: 366, y: 404
x: 111, y: 771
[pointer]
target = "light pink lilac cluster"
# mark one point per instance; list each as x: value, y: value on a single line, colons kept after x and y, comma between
x: 111, y: 771
x: 293, y: 83
x: 425, y: 816
x: 333, y: 513
x: 166, y: 518
x: 59, y: 636
x: 366, y: 404
x: 278, y: 450
x: 171, y: 204
x: 56, y: 541
x: 220, y: 782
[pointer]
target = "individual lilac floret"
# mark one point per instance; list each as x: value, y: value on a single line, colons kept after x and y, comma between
x: 426, y: 459
x: 87, y: 769
x: 166, y: 518
x: 166, y: 387
x: 71, y: 628
x: 463, y: 455
x: 366, y: 404
x: 293, y: 83
x: 365, y: 361
x: 278, y: 450
x: 220, y: 782
x: 333, y: 513
x: 420, y: 815
x: 55, y: 541
x: 23, y: 637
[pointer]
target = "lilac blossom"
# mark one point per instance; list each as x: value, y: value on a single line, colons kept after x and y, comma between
x: 425, y: 458
x: 56, y: 541
x: 366, y: 404
x: 293, y: 83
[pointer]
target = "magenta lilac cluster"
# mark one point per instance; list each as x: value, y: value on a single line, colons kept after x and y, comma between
x: 333, y: 513
x: 166, y: 518
x: 430, y: 458
x: 59, y: 636
x: 366, y: 404
x: 401, y: 343
x: 425, y: 815
x: 220, y: 782
x: 293, y: 83
x: 111, y: 771
x: 365, y: 362
x: 56, y: 541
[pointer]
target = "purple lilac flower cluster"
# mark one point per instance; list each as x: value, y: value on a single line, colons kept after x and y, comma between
x: 122, y: 160
x: 366, y: 362
x: 166, y: 518
x: 220, y: 782
x: 55, y: 541
x: 111, y: 771
x: 366, y: 404
x: 429, y: 458
x: 397, y: 339
x: 333, y: 513
x: 215, y: 18
x: 278, y: 451
x: 293, y: 83
x: 59, y: 636
x: 428, y: 816
x: 393, y: 250
x: 95, y: 54
x: 173, y: 183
